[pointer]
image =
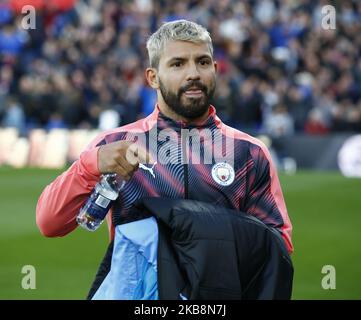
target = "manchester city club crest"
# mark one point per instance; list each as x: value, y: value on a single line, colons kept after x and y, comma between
x: 223, y: 173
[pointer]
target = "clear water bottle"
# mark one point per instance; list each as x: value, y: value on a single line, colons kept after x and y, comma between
x: 106, y: 191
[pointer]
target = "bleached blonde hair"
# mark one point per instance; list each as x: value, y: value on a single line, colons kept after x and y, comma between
x: 181, y: 30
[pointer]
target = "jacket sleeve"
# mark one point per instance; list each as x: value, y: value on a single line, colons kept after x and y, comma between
x: 264, y: 197
x: 60, y: 201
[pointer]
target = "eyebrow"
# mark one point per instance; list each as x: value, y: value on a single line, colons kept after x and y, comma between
x: 203, y: 56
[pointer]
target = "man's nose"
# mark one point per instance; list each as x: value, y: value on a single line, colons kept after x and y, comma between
x: 193, y: 72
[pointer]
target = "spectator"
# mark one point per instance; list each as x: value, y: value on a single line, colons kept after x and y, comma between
x: 13, y: 116
x: 279, y: 123
x: 12, y: 40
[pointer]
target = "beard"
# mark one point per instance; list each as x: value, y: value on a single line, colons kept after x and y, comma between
x: 189, y: 108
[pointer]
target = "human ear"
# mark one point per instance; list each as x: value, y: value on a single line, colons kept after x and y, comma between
x: 151, y: 76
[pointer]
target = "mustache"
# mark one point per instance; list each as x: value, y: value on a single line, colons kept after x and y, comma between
x: 196, y: 84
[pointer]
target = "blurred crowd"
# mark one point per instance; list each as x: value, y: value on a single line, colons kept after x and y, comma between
x: 280, y: 72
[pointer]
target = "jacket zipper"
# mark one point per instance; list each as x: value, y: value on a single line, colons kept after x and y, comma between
x: 185, y: 164
x: 185, y: 167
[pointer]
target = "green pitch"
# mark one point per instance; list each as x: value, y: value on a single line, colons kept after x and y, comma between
x: 325, y: 209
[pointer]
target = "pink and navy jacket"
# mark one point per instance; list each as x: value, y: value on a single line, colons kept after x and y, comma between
x: 255, y: 189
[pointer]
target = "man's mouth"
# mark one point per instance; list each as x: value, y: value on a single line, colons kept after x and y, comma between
x: 193, y: 93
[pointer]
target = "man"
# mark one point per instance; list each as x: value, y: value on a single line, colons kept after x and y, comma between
x: 183, y: 73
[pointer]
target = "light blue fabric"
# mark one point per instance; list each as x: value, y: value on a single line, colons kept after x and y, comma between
x: 133, y: 272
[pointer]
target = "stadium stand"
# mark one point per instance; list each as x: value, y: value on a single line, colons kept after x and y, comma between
x: 280, y: 72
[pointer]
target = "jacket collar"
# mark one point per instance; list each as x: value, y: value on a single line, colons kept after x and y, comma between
x: 212, y: 121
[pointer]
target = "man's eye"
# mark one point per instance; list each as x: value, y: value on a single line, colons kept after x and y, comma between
x: 204, y: 62
x: 177, y: 64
